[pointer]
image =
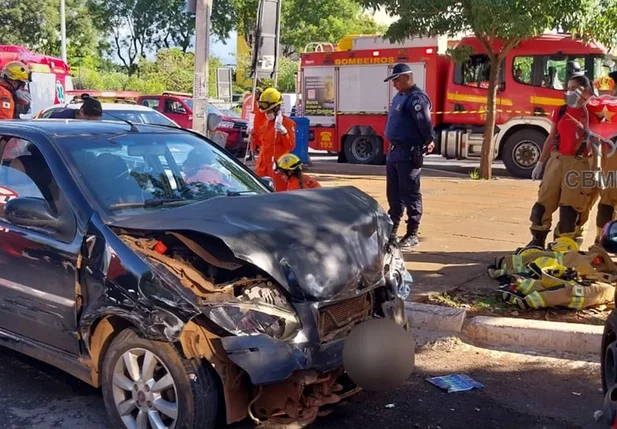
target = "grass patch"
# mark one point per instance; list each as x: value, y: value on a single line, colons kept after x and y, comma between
x: 474, y: 174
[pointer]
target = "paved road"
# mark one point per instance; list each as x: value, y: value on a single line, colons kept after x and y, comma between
x: 522, y: 392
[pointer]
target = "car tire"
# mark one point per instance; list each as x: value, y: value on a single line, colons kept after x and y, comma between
x: 608, y: 353
x: 364, y: 149
x: 521, y: 152
x: 190, y: 393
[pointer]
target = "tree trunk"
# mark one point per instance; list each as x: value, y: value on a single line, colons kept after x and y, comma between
x: 486, y: 161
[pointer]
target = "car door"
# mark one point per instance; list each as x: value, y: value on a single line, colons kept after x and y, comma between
x: 175, y: 111
x: 38, y: 266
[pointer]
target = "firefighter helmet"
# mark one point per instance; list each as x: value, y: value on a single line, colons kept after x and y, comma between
x: 549, y: 270
x: 270, y: 99
x: 17, y: 71
x: 289, y: 162
x: 528, y: 250
x: 563, y: 244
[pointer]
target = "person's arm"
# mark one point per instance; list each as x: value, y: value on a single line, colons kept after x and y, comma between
x: 288, y: 139
x: 421, y: 113
x: 548, y: 144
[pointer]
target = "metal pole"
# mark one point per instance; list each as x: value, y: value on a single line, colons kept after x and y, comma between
x: 63, y: 29
x: 202, y: 53
x: 277, y: 45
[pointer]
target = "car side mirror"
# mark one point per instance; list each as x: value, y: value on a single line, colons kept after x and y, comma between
x: 608, y: 239
x: 269, y: 182
x: 214, y: 119
x: 34, y: 212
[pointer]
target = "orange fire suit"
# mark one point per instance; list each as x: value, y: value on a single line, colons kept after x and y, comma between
x: 7, y: 102
x: 307, y: 183
x: 259, y: 119
x: 273, y: 146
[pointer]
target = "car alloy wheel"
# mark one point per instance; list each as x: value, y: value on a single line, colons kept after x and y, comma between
x: 144, y: 391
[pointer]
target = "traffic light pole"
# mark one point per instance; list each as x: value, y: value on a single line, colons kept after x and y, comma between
x: 203, y: 10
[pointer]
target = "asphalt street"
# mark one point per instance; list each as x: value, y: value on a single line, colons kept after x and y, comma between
x: 521, y: 392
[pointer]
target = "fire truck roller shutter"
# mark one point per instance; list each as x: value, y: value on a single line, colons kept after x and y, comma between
x: 521, y: 148
x: 362, y: 145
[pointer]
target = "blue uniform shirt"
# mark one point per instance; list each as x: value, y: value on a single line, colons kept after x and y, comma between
x: 409, y: 124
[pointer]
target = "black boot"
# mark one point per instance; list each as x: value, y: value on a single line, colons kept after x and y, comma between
x: 539, y: 239
x: 410, y: 239
x: 392, y: 238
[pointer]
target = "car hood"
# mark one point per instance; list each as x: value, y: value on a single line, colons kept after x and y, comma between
x: 319, y: 244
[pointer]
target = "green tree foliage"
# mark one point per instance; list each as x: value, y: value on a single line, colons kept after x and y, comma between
x: 306, y: 21
x: 172, y: 71
x: 499, y: 25
x: 36, y: 25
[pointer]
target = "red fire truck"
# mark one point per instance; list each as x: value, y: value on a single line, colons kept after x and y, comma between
x: 50, y: 76
x: 346, y: 100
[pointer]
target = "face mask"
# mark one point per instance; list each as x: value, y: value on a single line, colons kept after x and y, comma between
x: 572, y: 97
x: 270, y: 116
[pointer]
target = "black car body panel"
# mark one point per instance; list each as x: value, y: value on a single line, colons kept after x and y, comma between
x: 318, y: 244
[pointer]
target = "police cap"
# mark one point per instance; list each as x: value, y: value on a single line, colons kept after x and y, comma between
x: 398, y: 70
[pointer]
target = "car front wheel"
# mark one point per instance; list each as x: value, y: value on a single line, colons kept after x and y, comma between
x: 148, y: 385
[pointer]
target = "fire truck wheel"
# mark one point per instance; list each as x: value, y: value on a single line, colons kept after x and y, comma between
x: 521, y: 152
x: 364, y: 150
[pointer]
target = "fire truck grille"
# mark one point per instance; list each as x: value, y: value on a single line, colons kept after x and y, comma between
x: 339, y: 315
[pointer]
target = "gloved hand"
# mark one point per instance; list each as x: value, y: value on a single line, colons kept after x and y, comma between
x: 537, y: 171
x: 24, y: 96
x: 278, y: 125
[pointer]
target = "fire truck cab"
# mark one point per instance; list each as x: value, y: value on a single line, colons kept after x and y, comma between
x: 50, y: 77
x: 347, y: 101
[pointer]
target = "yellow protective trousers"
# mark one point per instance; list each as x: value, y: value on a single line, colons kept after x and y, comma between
x: 556, y: 191
x: 571, y: 295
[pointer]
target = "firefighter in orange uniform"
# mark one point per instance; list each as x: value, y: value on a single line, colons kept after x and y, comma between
x: 276, y: 137
x: 289, y: 167
x: 15, y: 77
x: 257, y: 120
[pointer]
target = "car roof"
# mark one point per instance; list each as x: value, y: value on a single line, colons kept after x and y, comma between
x: 73, y: 127
x: 107, y: 106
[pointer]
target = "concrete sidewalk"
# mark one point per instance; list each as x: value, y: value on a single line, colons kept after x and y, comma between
x: 466, y: 223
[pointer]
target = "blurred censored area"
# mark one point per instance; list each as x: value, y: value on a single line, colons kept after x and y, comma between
x: 379, y: 355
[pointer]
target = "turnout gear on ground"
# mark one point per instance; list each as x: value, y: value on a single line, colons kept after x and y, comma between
x: 535, y: 278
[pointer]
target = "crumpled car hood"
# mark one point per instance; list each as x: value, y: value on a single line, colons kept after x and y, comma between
x: 318, y: 244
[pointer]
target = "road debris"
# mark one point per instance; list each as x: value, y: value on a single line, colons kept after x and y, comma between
x: 389, y: 406
x: 455, y: 383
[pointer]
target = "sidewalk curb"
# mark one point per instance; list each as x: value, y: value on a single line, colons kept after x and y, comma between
x: 535, y: 334
x: 489, y: 331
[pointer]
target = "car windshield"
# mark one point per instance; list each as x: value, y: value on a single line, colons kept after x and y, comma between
x: 137, y: 116
x: 140, y: 172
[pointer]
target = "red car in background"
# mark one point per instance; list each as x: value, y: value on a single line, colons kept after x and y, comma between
x: 179, y: 108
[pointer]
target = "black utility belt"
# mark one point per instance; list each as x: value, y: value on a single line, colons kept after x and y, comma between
x: 403, y: 144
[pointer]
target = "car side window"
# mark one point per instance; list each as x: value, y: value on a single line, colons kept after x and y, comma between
x: 24, y: 173
x: 174, y: 106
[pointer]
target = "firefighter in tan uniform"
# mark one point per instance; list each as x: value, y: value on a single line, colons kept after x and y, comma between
x: 571, y: 155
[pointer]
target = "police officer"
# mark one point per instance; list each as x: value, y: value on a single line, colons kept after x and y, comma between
x: 410, y: 131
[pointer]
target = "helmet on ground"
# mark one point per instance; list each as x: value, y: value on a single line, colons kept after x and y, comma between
x: 563, y: 244
x: 270, y: 99
x: 549, y: 270
x: 17, y: 71
x: 289, y: 162
x: 528, y: 250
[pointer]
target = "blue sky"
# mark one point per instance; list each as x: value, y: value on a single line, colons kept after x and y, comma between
x: 226, y: 52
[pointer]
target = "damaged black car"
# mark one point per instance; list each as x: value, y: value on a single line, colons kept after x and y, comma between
x: 149, y: 262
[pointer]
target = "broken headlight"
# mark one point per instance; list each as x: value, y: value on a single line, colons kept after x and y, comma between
x: 247, y: 319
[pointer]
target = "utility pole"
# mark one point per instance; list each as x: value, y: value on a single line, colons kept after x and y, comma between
x: 63, y: 29
x: 203, y: 10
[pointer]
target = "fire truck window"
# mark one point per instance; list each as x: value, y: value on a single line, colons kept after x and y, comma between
x: 475, y: 72
x: 601, y: 68
x: 557, y: 72
x: 152, y: 103
x: 522, y: 69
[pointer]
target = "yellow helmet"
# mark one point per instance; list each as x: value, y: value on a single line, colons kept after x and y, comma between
x: 270, y: 99
x: 289, y: 162
x: 563, y: 244
x: 549, y: 270
x: 17, y: 71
